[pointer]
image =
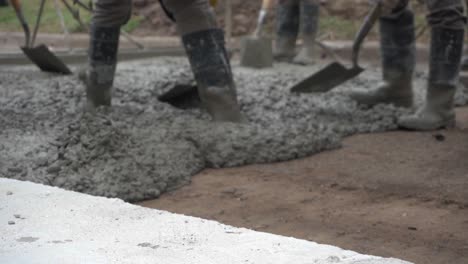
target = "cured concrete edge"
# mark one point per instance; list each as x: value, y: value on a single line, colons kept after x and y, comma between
x: 80, y: 56
x: 41, y: 224
x: 370, y: 52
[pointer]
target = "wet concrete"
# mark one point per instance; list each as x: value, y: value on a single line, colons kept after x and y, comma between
x: 142, y: 147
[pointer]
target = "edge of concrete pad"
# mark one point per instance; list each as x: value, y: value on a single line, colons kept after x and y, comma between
x: 168, y: 47
x: 80, y: 56
x: 41, y: 224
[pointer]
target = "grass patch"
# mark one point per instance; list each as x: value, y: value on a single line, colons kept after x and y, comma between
x: 133, y: 23
x: 338, y: 28
x: 50, y: 22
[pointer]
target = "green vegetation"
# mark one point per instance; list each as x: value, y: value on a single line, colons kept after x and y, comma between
x: 334, y: 27
x: 337, y: 28
x: 50, y: 21
x: 133, y: 23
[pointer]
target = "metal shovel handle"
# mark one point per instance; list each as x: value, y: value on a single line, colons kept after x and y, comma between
x: 266, y: 6
x: 38, y: 22
x: 366, y: 26
x: 19, y: 13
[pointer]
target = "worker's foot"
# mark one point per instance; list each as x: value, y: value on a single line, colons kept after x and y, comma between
x: 464, y: 63
x: 98, y: 76
x: 304, y: 57
x: 309, y: 26
x: 397, y: 95
x: 427, y: 119
x: 96, y: 95
x: 285, y: 49
x: 212, y: 71
x: 287, y: 29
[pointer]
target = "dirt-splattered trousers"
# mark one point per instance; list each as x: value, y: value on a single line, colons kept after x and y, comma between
x: 442, y: 13
x: 190, y: 15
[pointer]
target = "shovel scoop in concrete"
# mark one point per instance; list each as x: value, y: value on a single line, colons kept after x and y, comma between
x: 45, y: 59
x: 256, y: 52
x: 323, y: 81
x: 335, y: 73
x: 182, y: 96
x: 40, y: 55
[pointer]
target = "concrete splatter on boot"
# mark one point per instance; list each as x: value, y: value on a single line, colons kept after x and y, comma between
x: 464, y: 64
x: 212, y: 70
x: 397, y: 43
x: 309, y: 27
x: 287, y: 29
x: 438, y: 111
x: 99, y: 75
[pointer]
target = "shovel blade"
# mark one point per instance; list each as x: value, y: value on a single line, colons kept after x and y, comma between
x: 326, y: 79
x: 256, y: 52
x: 183, y: 96
x: 46, y: 60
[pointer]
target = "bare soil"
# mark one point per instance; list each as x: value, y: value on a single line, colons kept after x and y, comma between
x: 396, y: 194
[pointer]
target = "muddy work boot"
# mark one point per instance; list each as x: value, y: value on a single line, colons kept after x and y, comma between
x: 287, y: 29
x: 464, y: 63
x: 212, y: 70
x: 99, y: 74
x: 438, y: 111
x: 309, y: 26
x: 397, y: 43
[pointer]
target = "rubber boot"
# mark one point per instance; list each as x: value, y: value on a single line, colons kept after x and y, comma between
x: 287, y: 30
x: 212, y: 70
x: 309, y: 26
x: 397, y: 43
x: 99, y: 75
x: 438, y: 111
x: 464, y: 63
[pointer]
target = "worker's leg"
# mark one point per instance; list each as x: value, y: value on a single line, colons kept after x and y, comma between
x: 397, y: 48
x: 309, y: 21
x: 108, y: 17
x: 448, y: 24
x: 287, y: 29
x: 205, y: 47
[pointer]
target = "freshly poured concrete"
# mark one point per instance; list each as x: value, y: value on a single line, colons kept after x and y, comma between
x: 142, y: 147
x: 41, y: 224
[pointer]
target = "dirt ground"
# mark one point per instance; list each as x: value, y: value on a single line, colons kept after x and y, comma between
x: 396, y: 194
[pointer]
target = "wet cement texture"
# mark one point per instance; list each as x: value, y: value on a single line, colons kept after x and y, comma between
x: 141, y: 147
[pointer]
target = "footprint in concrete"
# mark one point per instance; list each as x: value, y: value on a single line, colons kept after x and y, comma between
x: 148, y: 245
x: 27, y: 239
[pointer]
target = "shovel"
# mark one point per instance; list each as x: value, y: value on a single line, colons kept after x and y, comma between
x: 336, y: 73
x: 257, y: 51
x: 40, y: 55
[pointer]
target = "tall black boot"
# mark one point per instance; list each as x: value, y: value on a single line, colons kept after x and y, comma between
x: 212, y: 70
x: 102, y: 57
x: 397, y: 44
x: 287, y: 29
x: 438, y: 111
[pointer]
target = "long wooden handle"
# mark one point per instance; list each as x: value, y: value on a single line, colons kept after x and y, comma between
x: 267, y: 4
x: 366, y: 26
x: 38, y: 22
x: 19, y: 13
x: 16, y: 4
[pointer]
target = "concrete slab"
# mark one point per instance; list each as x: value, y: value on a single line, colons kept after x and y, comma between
x: 40, y: 224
